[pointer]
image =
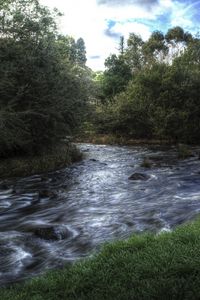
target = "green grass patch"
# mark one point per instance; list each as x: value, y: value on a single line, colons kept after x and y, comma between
x: 165, y: 266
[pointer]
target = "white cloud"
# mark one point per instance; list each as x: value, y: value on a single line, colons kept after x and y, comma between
x: 88, y: 20
x: 127, y: 27
x: 148, y: 4
x: 84, y: 20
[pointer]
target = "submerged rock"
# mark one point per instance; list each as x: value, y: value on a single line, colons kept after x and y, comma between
x: 52, y: 232
x: 46, y: 193
x: 139, y: 176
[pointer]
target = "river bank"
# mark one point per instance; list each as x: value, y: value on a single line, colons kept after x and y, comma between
x: 60, y: 156
x: 67, y: 153
x: 164, y: 266
x: 109, y: 139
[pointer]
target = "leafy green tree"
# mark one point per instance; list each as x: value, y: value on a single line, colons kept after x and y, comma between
x: 116, y: 75
x: 67, y: 48
x: 176, y: 35
x: 40, y: 92
x: 122, y: 45
x: 80, y: 52
x: 177, y: 41
x: 134, y: 54
x: 155, y: 48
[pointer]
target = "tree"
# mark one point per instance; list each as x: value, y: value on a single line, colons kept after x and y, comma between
x: 177, y: 41
x: 122, y: 45
x: 80, y: 52
x: 116, y: 75
x: 40, y: 92
x: 155, y: 48
x: 67, y: 48
x: 134, y: 55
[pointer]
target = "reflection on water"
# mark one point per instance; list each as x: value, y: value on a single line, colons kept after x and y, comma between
x: 89, y: 203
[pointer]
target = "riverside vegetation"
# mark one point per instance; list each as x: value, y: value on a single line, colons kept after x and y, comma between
x: 149, y: 90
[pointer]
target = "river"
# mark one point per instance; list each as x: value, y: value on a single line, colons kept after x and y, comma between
x: 90, y: 203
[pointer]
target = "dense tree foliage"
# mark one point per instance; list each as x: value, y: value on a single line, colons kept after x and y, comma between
x: 42, y: 79
x: 159, y: 97
x: 116, y: 76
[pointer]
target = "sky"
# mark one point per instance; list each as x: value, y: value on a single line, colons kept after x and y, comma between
x: 101, y: 22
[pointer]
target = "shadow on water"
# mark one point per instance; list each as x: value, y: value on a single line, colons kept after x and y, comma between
x: 50, y: 219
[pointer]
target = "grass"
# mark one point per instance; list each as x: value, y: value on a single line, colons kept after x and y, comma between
x: 184, y: 151
x: 165, y: 266
x: 59, y: 157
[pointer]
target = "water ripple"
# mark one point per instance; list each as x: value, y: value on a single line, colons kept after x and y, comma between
x: 80, y: 207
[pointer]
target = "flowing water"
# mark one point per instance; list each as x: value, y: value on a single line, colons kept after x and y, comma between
x: 92, y: 202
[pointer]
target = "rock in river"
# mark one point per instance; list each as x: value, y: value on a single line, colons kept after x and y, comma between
x: 139, y: 176
x: 52, y: 232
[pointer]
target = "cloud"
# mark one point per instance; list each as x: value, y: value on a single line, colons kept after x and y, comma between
x: 95, y: 57
x: 123, y: 29
x: 101, y: 22
x: 146, y: 3
x: 186, y: 15
x: 112, y: 34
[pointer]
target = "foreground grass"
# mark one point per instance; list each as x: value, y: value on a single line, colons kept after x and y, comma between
x: 166, y: 266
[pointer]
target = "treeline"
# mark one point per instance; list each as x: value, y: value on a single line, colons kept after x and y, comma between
x: 151, y: 89
x: 43, y: 79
